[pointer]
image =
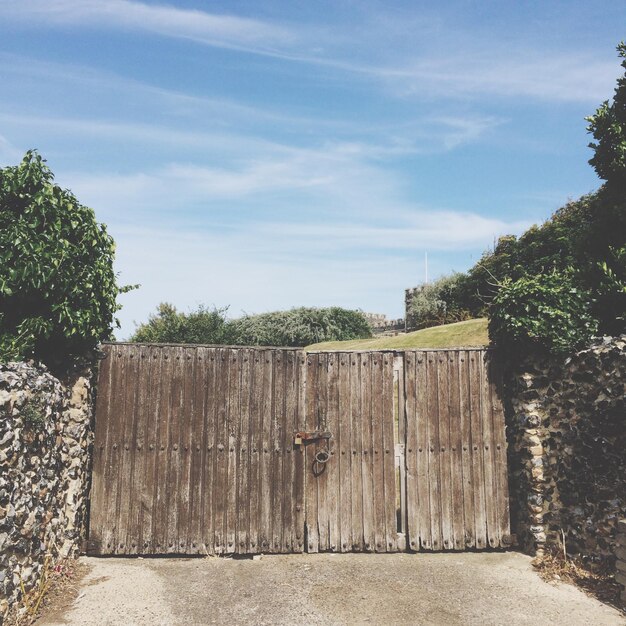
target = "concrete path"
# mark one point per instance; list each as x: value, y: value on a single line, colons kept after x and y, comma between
x: 468, y: 588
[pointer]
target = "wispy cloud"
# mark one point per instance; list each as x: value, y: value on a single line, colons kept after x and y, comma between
x: 209, y: 28
x: 501, y: 68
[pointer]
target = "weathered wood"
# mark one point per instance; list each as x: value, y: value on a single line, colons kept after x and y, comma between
x: 300, y: 473
x: 456, y: 450
x: 478, y: 490
x: 367, y: 475
x: 265, y: 505
x: 256, y: 407
x: 412, y: 494
x: 387, y: 455
x: 312, y: 394
x: 466, y: 450
x: 444, y: 450
x: 356, y: 452
x: 343, y: 455
x: 194, y: 451
x: 422, y: 427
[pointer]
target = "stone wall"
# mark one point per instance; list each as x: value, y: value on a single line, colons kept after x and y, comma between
x: 45, y: 438
x: 567, y: 447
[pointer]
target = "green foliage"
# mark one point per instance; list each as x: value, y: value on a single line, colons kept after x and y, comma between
x: 299, y: 327
x: 438, y: 303
x: 608, y: 127
x: 207, y: 326
x: 33, y: 415
x: 57, y: 286
x: 548, y: 312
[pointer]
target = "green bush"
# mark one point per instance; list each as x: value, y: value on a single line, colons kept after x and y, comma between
x: 547, y: 312
x: 168, y: 325
x: 299, y: 327
x: 58, y: 289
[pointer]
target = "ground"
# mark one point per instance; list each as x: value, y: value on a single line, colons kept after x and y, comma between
x: 455, y: 588
x: 472, y: 333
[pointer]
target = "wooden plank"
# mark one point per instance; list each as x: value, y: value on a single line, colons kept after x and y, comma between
x: 456, y: 452
x: 159, y: 519
x: 469, y: 523
x: 243, y: 489
x: 198, y: 453
x: 311, y: 481
x: 378, y: 446
x: 423, y: 451
x: 256, y: 398
x: 356, y: 450
x: 388, y: 455
x: 444, y: 451
x: 300, y: 477
x: 478, y: 487
x: 321, y: 422
x: 501, y: 466
x: 209, y: 501
x: 290, y: 399
x: 113, y: 455
x: 220, y: 486
x: 400, y: 435
x: 412, y: 493
x: 369, y: 514
x: 152, y: 411
x: 186, y: 425
x: 174, y: 447
x: 276, y: 451
x: 434, y: 468
x: 141, y: 495
x: 127, y: 499
x: 343, y: 454
x: 493, y: 537
x: 333, y: 493
x: 100, y: 451
x: 265, y: 519
x: 233, y: 418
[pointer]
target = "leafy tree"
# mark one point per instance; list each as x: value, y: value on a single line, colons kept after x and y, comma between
x: 168, y: 325
x: 438, y: 303
x: 608, y: 127
x: 58, y: 289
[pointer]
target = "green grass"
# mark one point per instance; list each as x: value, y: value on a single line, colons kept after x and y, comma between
x: 472, y: 333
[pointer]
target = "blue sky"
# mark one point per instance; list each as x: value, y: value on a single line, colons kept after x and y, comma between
x: 265, y: 155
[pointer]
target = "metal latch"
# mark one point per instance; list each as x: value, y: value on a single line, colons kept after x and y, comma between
x: 304, y: 436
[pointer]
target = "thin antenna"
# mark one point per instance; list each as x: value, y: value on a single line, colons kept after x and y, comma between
x: 426, y: 267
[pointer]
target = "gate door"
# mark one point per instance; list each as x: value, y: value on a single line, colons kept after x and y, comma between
x: 351, y: 502
x: 194, y: 451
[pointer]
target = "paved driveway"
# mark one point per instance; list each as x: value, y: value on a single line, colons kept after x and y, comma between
x: 467, y: 588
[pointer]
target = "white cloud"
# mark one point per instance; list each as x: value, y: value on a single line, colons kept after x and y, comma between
x: 502, y: 67
x: 213, y: 29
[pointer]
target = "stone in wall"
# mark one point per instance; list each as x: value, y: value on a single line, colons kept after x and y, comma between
x: 567, y: 443
x: 45, y: 438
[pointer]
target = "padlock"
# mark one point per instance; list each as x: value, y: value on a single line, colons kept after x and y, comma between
x: 297, y: 440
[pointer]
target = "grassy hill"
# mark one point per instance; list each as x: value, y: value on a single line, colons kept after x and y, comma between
x: 472, y: 333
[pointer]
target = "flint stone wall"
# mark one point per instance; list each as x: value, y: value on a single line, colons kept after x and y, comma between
x: 45, y: 437
x: 567, y: 447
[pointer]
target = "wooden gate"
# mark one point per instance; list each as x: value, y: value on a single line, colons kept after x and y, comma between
x: 194, y: 451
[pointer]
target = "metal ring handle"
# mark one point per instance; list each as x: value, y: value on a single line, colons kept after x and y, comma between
x: 322, y: 456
